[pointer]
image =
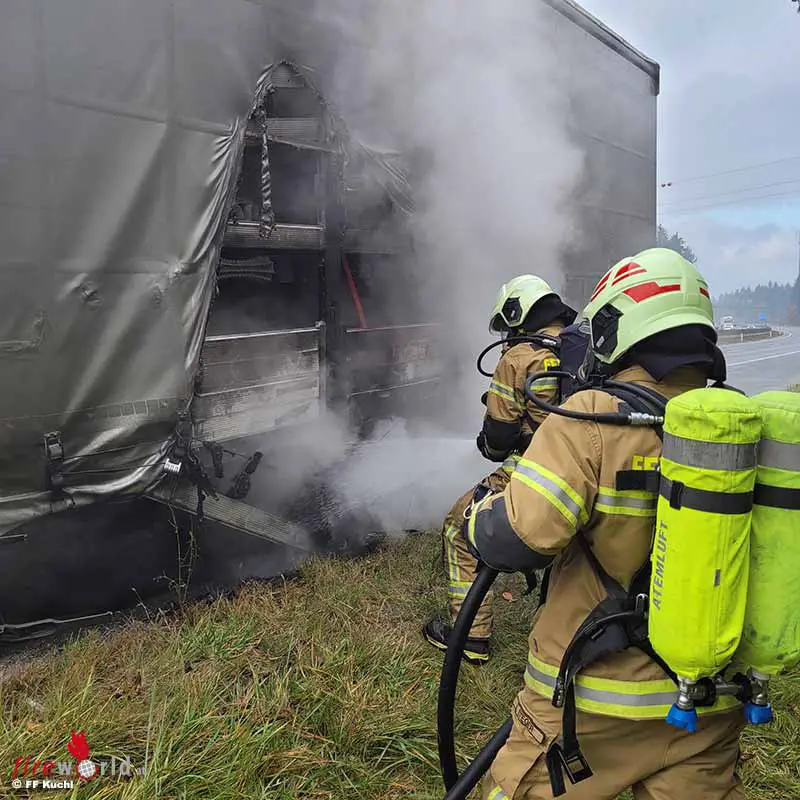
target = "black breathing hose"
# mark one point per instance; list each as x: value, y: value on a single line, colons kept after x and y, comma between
x: 542, y: 341
x: 609, y: 418
x: 604, y: 418
x: 456, y: 642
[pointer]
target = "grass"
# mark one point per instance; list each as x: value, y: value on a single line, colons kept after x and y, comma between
x: 318, y: 688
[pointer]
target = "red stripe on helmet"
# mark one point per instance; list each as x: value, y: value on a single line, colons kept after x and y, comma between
x: 626, y: 268
x: 601, y: 285
x: 629, y: 274
x: 645, y: 291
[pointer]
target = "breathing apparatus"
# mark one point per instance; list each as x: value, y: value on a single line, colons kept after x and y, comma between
x: 695, y: 613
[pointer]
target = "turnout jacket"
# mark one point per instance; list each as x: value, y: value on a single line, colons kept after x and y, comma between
x: 510, y: 420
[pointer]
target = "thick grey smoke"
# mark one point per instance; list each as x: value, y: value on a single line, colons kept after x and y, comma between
x: 475, y: 97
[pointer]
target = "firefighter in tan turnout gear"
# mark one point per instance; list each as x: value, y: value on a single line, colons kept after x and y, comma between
x: 530, y: 315
x: 651, y: 326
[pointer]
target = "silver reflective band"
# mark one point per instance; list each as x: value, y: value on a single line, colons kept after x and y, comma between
x: 545, y: 383
x: 779, y: 455
x: 613, y: 500
x: 615, y: 698
x: 499, y: 388
x: 551, y: 487
x: 709, y: 455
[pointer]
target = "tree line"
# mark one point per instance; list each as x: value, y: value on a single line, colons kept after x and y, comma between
x: 779, y: 303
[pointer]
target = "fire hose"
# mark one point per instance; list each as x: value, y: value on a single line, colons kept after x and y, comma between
x: 459, y: 786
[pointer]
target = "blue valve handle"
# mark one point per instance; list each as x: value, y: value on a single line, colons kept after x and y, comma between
x: 681, y: 718
x: 758, y: 715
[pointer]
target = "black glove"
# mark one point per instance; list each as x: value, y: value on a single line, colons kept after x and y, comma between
x: 524, y: 442
x: 485, y: 398
x: 487, y: 452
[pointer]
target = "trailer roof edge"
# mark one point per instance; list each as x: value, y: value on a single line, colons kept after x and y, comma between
x: 588, y: 22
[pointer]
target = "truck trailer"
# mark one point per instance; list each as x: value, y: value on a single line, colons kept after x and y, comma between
x: 199, y: 260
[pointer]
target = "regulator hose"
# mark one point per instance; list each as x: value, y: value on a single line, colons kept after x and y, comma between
x: 602, y: 418
x: 532, y: 338
x: 448, y: 682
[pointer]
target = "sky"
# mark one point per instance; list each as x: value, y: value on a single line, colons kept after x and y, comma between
x: 730, y: 100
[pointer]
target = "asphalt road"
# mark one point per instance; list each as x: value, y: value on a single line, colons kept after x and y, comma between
x: 765, y: 365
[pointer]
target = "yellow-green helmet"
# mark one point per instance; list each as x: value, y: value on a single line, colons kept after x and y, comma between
x: 515, y: 299
x: 638, y: 297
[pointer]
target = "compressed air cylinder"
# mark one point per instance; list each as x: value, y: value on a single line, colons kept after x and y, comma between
x: 771, y: 637
x: 700, y: 558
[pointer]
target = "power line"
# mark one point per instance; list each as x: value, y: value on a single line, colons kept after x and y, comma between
x: 741, y: 201
x: 734, y: 192
x: 733, y: 171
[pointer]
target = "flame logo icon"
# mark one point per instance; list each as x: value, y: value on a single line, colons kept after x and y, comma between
x: 79, y: 748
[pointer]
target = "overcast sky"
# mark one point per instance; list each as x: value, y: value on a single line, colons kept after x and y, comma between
x: 730, y: 98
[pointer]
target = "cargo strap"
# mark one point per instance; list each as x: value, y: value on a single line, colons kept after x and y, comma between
x: 54, y: 452
x: 614, y: 625
x: 240, y: 486
x: 183, y: 458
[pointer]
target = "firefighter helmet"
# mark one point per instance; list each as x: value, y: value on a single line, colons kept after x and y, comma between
x: 654, y: 291
x: 515, y: 300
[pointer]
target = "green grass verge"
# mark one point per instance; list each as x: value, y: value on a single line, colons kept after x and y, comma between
x: 319, y: 688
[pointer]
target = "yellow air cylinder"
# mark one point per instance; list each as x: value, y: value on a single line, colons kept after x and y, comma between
x: 771, y: 636
x: 700, y: 558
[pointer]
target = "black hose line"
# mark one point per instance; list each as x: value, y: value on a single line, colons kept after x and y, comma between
x: 608, y: 418
x: 456, y: 642
x: 602, y: 418
x: 531, y: 338
x: 477, y: 769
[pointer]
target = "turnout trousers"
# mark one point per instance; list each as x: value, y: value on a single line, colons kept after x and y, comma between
x: 460, y: 565
x: 656, y: 760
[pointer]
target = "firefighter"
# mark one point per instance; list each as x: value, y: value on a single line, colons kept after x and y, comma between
x: 525, y: 307
x: 652, y: 325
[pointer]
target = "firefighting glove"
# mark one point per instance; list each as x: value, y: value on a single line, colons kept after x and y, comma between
x: 488, y: 452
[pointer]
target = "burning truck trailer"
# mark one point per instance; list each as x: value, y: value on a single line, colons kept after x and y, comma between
x: 202, y: 267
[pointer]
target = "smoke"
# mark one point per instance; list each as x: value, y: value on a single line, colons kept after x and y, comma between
x: 476, y: 95
x: 475, y: 98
